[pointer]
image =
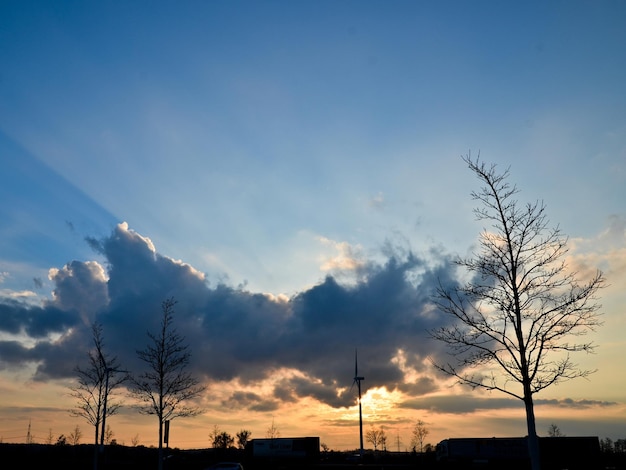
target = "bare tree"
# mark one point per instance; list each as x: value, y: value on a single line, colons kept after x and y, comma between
x: 418, y: 436
x: 243, y: 437
x: 75, y: 436
x: 382, y: 438
x: 554, y: 431
x: 96, y: 385
x: 166, y: 385
x: 376, y: 437
x: 213, y: 435
x: 272, y: 432
x: 108, y: 435
x: 522, y: 311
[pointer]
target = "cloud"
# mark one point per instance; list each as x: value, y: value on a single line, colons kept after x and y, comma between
x: 347, y: 259
x: 459, y: 404
x: 251, y: 401
x: 571, y: 403
x: 80, y: 287
x: 36, y: 323
x: 303, y: 346
x: 377, y: 201
x: 235, y: 334
x: 469, y: 404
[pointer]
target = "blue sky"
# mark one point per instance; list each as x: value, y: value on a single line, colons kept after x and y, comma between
x: 267, y: 145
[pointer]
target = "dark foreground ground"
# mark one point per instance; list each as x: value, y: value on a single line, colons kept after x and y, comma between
x: 81, y: 457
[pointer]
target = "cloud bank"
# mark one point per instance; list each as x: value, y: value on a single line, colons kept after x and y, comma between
x: 235, y: 334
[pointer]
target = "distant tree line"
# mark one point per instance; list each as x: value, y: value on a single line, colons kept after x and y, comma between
x: 608, y: 446
x: 222, y: 440
x: 378, y: 438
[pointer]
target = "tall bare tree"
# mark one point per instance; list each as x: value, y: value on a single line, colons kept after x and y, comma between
x: 165, y: 386
x: 523, y: 312
x: 418, y: 435
x: 96, y: 385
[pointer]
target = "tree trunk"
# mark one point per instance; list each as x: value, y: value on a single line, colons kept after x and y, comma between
x: 533, y: 440
x: 160, y: 444
x: 95, y: 448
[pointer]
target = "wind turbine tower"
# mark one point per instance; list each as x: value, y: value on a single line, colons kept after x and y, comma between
x: 357, y: 381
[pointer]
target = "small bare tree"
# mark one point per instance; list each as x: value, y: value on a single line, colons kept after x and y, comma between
x: 522, y: 307
x: 108, y: 435
x: 166, y: 385
x: 243, y: 437
x: 376, y: 437
x: 272, y: 432
x: 418, y: 436
x: 554, y: 431
x: 213, y: 434
x: 382, y: 438
x: 50, y: 437
x: 75, y: 436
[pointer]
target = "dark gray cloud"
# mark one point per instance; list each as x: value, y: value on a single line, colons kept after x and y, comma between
x: 469, y: 404
x: 33, y: 321
x: 460, y: 404
x: 571, y: 403
x: 235, y: 333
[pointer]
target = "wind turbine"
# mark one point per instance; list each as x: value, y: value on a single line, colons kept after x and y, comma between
x: 357, y: 381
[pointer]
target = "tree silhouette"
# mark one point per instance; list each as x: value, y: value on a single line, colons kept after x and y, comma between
x: 522, y: 311
x: 554, y: 431
x: 96, y: 384
x: 166, y: 385
x: 376, y: 437
x: 243, y: 437
x: 272, y: 432
x: 418, y: 435
x: 75, y: 436
x: 223, y: 440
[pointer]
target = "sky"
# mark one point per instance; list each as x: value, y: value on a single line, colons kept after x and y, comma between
x: 291, y: 173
